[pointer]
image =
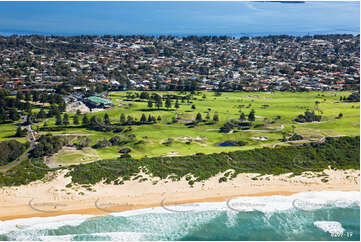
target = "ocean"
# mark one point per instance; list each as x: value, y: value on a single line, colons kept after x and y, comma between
x: 179, y: 18
x: 324, y: 215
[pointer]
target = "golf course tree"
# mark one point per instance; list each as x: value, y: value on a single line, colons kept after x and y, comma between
x: 144, y: 95
x: 58, y: 120
x: 122, y: 118
x: 11, y: 150
x: 168, y: 103
x: 76, y: 119
x: 226, y: 128
x: 176, y: 105
x: 85, y: 120
x: 155, y: 97
x: 150, y: 104
x: 94, y: 122
x: 11, y: 108
x: 82, y: 142
x: 130, y: 120
x: 106, y: 119
x: 242, y: 117
x: 151, y: 119
x: 66, y: 119
x: 208, y: 116
x: 102, y: 144
x: 251, y: 116
x: 199, y: 117
x: 116, y: 140
x: 159, y: 103
x: 48, y: 144
x: 14, y: 115
x: 3, y: 115
x: 20, y: 132
x: 215, y: 118
x: 354, y: 97
x: 308, y: 117
x: 41, y: 114
x: 143, y: 119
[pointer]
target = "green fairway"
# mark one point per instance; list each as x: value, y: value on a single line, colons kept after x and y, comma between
x: 267, y: 130
x: 76, y: 156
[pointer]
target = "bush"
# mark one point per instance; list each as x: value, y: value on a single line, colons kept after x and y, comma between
x: 308, y: 117
x: 338, y: 152
x: 102, y: 144
x: 295, y: 137
x: 48, y: 144
x: 222, y: 179
x: 11, y: 150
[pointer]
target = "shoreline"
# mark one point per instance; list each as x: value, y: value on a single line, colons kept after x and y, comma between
x: 52, y: 200
x: 97, y: 211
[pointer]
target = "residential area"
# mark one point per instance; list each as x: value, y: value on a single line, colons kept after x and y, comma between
x: 92, y: 64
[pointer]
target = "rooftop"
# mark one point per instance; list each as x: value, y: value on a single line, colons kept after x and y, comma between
x: 99, y: 100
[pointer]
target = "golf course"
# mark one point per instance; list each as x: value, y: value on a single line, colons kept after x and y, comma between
x: 172, y: 134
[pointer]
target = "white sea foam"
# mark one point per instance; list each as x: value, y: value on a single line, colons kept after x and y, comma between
x: 38, y: 223
x: 114, y: 236
x: 171, y: 226
x: 265, y: 204
x: 332, y: 227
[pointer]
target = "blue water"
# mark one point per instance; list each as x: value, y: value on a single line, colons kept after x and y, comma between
x: 179, y: 18
x: 252, y: 218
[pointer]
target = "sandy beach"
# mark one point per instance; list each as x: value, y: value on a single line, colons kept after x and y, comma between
x: 53, y: 198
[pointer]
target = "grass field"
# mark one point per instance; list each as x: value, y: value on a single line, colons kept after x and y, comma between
x: 76, y: 156
x: 205, y: 138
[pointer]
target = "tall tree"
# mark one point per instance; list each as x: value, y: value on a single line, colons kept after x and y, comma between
x: 129, y: 119
x: 3, y: 115
x: 85, y: 121
x: 27, y: 96
x: 20, y: 132
x: 242, y: 116
x: 215, y: 117
x: 199, y: 117
x: 58, y: 120
x: 20, y: 95
x: 150, y: 104
x: 159, y: 104
x: 208, y: 116
x: 66, y: 119
x: 251, y: 116
x: 14, y: 115
x: 76, y: 120
x: 122, y: 118
x: 143, y: 119
x: 168, y: 103
x: 176, y: 105
x: 106, y: 119
x: 41, y: 114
